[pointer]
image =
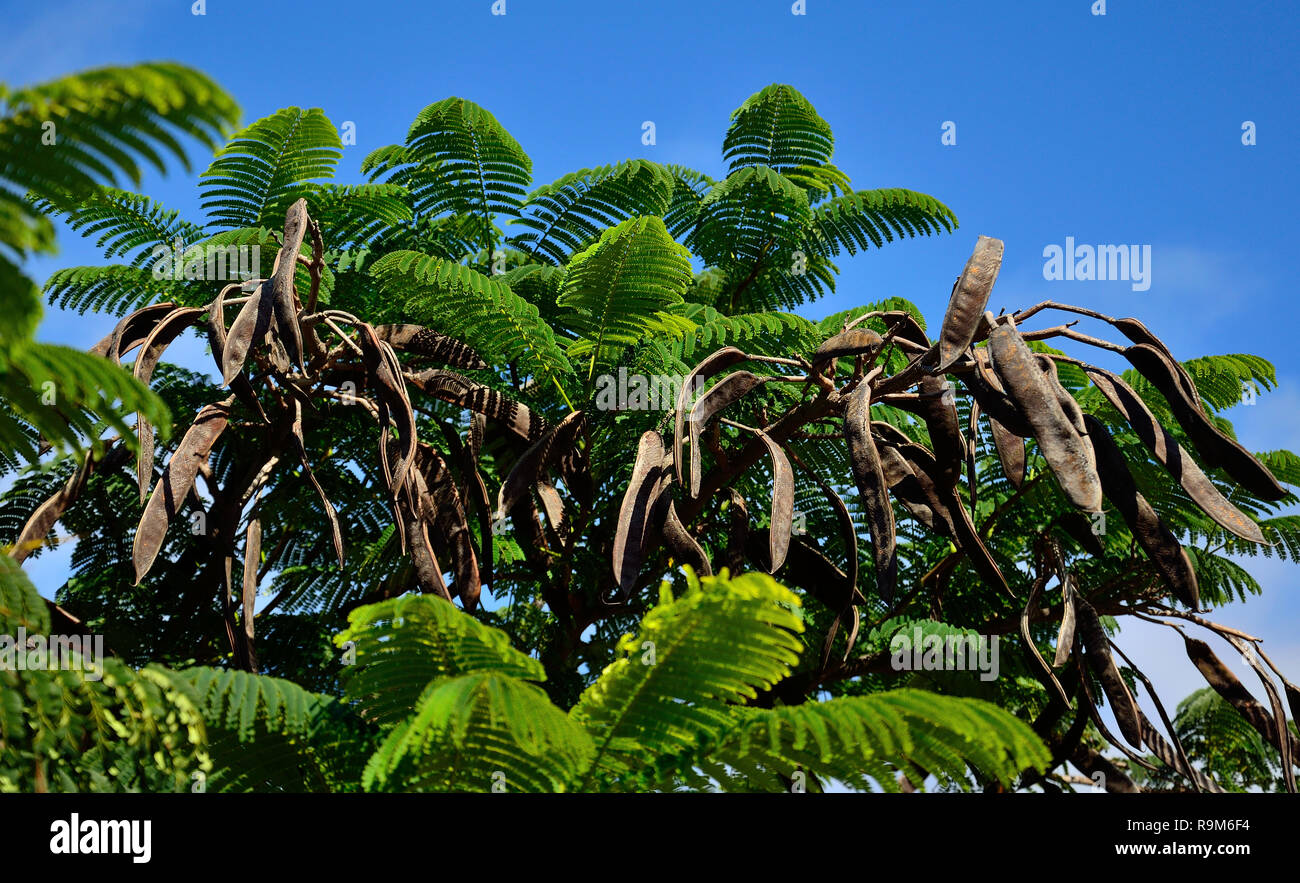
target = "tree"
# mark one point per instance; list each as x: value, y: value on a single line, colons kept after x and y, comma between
x: 1118, y: 495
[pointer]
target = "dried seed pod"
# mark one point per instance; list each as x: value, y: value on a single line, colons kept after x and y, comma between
x: 1066, y: 450
x: 1171, y: 455
x: 252, y: 560
x: 279, y: 288
x: 1137, y: 332
x: 539, y: 457
x: 681, y: 545
x: 1011, y: 452
x: 723, y: 393
x: 1065, y: 635
x: 239, y: 384
x: 1028, y: 639
x: 1097, y: 655
x: 39, y: 524
x: 418, y: 340
x: 176, y: 482
x: 250, y: 325
x: 394, y: 406
x: 737, y: 531
x: 715, y: 362
x: 1226, y: 684
x: 913, y: 487
x: 162, y: 335
x: 972, y: 450
x: 452, y: 387
x: 968, y: 301
x: 132, y: 331
x: 782, y: 517
x: 1217, y: 449
x: 854, y: 342
x: 995, y: 402
x: 1150, y: 531
x: 553, y: 506
x: 939, y: 411
x: 443, y: 507
x: 1161, y: 748
x: 873, y: 489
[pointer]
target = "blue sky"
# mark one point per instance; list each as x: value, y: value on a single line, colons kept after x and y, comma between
x: 1117, y: 129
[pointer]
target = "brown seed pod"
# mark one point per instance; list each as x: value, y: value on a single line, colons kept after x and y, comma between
x: 1011, y: 452
x: 939, y: 411
x: 162, y: 335
x: 873, y: 489
x: 1161, y: 748
x: 394, y: 406
x: 452, y: 387
x: 39, y: 524
x: 1097, y: 655
x: 1065, y: 635
x: 681, y: 545
x: 239, y: 384
x: 279, y: 288
x: 176, y: 482
x: 418, y: 340
x: 1027, y: 638
x: 1226, y: 684
x: 132, y: 331
x: 1137, y: 332
x: 443, y: 509
x: 719, y: 360
x: 912, y: 487
x: 1069, y: 406
x: 250, y: 326
x: 1171, y: 455
x: 1066, y: 450
x: 782, y: 515
x: 854, y: 342
x: 972, y: 450
x: 968, y: 301
x: 1217, y: 449
x: 539, y: 457
x: 985, y: 388
x: 1150, y: 531
x: 723, y: 393
x: 252, y: 560
x: 634, y: 513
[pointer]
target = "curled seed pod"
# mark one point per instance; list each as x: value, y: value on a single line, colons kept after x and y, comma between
x: 1027, y: 637
x: 782, y: 516
x: 681, y: 545
x: 1217, y: 449
x: 715, y: 362
x: 726, y: 391
x: 1171, y: 455
x: 239, y: 384
x: 250, y: 325
x: 279, y: 288
x: 1097, y: 655
x: 418, y: 340
x: 452, y: 387
x: 966, y: 305
x: 1066, y: 450
x: 1150, y: 531
x: 441, y: 503
x: 1065, y: 635
x: 913, y: 487
x: 553, y: 506
x: 176, y: 482
x: 132, y: 331
x: 1011, y: 452
x: 634, y: 513
x: 540, y: 456
x: 873, y: 489
x: 1226, y: 684
x: 162, y: 335
x: 39, y: 524
x: 386, y: 377
x: 854, y: 342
